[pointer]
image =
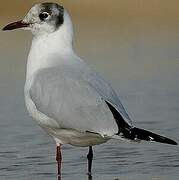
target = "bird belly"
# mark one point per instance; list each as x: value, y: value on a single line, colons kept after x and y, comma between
x: 76, y: 138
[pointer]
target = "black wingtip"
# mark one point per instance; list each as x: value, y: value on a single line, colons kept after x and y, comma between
x: 150, y: 136
x: 173, y: 142
x: 134, y: 133
x: 168, y: 141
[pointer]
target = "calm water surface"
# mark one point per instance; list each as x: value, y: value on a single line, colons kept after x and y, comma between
x: 26, y: 152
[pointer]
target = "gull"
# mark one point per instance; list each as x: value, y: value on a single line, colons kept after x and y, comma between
x: 65, y: 96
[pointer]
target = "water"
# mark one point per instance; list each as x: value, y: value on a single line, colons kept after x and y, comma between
x: 28, y: 153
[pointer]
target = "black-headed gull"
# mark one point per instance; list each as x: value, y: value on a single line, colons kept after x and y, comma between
x: 67, y: 98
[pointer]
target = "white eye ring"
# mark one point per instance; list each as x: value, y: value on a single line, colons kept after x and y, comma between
x: 43, y: 16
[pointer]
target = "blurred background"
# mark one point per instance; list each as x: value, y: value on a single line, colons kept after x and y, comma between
x: 135, y: 45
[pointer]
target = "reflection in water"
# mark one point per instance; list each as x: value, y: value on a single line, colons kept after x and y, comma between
x: 59, y: 177
x: 90, y: 177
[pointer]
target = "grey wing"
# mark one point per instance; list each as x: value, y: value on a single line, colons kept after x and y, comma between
x: 66, y: 96
x: 106, y: 91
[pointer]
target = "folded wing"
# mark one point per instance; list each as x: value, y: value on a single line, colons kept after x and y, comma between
x: 76, y: 99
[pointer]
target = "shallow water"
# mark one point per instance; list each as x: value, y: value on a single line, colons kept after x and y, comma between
x: 28, y: 153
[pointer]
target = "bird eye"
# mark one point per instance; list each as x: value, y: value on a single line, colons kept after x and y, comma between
x: 43, y: 16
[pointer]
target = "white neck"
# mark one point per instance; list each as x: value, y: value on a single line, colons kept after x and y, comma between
x: 51, y: 49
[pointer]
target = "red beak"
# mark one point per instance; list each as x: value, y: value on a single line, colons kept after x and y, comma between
x: 15, y: 25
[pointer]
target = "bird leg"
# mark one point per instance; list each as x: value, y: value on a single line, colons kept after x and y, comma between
x: 59, y: 160
x: 90, y: 159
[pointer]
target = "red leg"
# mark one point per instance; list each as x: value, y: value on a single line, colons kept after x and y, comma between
x: 59, y: 161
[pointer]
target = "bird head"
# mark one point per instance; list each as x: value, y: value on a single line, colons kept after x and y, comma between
x: 42, y: 18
